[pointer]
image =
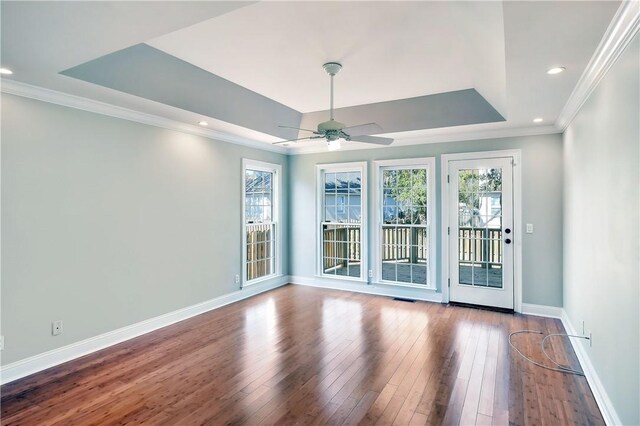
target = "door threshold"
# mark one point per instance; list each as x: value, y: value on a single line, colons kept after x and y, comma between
x: 483, y: 307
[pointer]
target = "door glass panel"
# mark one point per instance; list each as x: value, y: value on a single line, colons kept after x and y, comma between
x: 480, y: 227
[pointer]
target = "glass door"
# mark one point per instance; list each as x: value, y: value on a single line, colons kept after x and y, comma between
x: 481, y: 232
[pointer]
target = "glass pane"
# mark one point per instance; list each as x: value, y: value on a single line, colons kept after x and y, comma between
x: 404, y: 273
x: 354, y: 269
x: 329, y: 182
x: 419, y: 274
x: 495, y: 276
x: 341, y: 248
x: 419, y: 195
x: 341, y: 268
x: 342, y: 182
x: 404, y: 178
x: 388, y: 271
x: 465, y: 273
x: 355, y: 214
x: 490, y: 179
x: 404, y: 213
x: 390, y: 178
x: 266, y: 180
x: 330, y: 214
x: 480, y: 274
x: 355, y: 182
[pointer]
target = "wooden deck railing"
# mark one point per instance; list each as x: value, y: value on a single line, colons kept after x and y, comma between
x: 341, y: 245
x: 259, y: 250
x: 410, y: 244
x: 477, y: 246
x: 405, y: 243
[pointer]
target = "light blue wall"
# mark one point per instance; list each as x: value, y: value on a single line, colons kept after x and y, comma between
x: 542, y: 205
x: 601, y: 233
x: 107, y: 222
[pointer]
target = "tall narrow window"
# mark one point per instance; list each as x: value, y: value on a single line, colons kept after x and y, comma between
x: 260, y: 220
x: 406, y: 222
x: 343, y: 208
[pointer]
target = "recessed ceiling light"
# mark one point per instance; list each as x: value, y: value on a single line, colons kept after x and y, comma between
x: 555, y: 70
x: 6, y: 71
x: 537, y: 120
x: 203, y: 123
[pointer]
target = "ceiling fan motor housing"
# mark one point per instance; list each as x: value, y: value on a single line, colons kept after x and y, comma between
x: 332, y: 68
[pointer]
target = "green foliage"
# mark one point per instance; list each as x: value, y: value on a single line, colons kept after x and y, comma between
x: 472, y: 182
x: 408, y: 187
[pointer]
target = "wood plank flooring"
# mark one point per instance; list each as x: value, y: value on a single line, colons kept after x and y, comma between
x: 300, y: 355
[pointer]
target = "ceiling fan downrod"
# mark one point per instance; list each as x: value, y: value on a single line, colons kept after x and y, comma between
x: 332, y: 68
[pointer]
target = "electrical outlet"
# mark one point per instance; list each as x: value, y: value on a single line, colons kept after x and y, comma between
x: 529, y: 228
x: 237, y: 279
x: 370, y: 273
x: 1, y: 343
x: 56, y: 327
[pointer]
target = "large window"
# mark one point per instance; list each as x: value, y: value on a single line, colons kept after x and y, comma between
x: 342, y: 204
x: 406, y: 222
x: 261, y: 194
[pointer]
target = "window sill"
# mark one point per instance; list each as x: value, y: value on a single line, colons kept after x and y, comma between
x: 342, y: 278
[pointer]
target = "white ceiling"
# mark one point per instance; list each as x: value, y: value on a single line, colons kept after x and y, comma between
x: 390, y: 50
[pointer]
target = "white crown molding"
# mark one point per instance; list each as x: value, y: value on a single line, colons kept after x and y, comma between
x: 621, y: 30
x: 599, y: 392
x: 17, y: 88
x: 454, y: 137
x: 426, y: 295
x: 36, y: 363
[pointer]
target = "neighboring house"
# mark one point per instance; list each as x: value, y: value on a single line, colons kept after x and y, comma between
x: 487, y: 215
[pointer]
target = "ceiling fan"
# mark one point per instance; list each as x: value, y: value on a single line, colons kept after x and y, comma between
x: 334, y: 131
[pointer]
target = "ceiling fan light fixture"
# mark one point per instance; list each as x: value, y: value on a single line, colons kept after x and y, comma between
x: 334, y: 145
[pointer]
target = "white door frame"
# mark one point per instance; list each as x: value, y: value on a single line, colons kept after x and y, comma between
x: 517, y: 217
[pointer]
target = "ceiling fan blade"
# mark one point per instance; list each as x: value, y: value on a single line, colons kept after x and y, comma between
x: 298, y: 128
x: 300, y: 139
x: 373, y: 139
x: 363, y: 129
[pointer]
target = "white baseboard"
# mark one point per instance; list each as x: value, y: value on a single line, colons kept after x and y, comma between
x: 426, y: 295
x: 34, y: 364
x: 542, y: 310
x: 599, y: 392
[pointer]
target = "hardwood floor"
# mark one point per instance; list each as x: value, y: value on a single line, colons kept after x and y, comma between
x: 312, y: 356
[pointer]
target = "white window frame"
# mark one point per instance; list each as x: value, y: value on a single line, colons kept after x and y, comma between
x: 321, y: 169
x: 276, y: 217
x: 409, y: 163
